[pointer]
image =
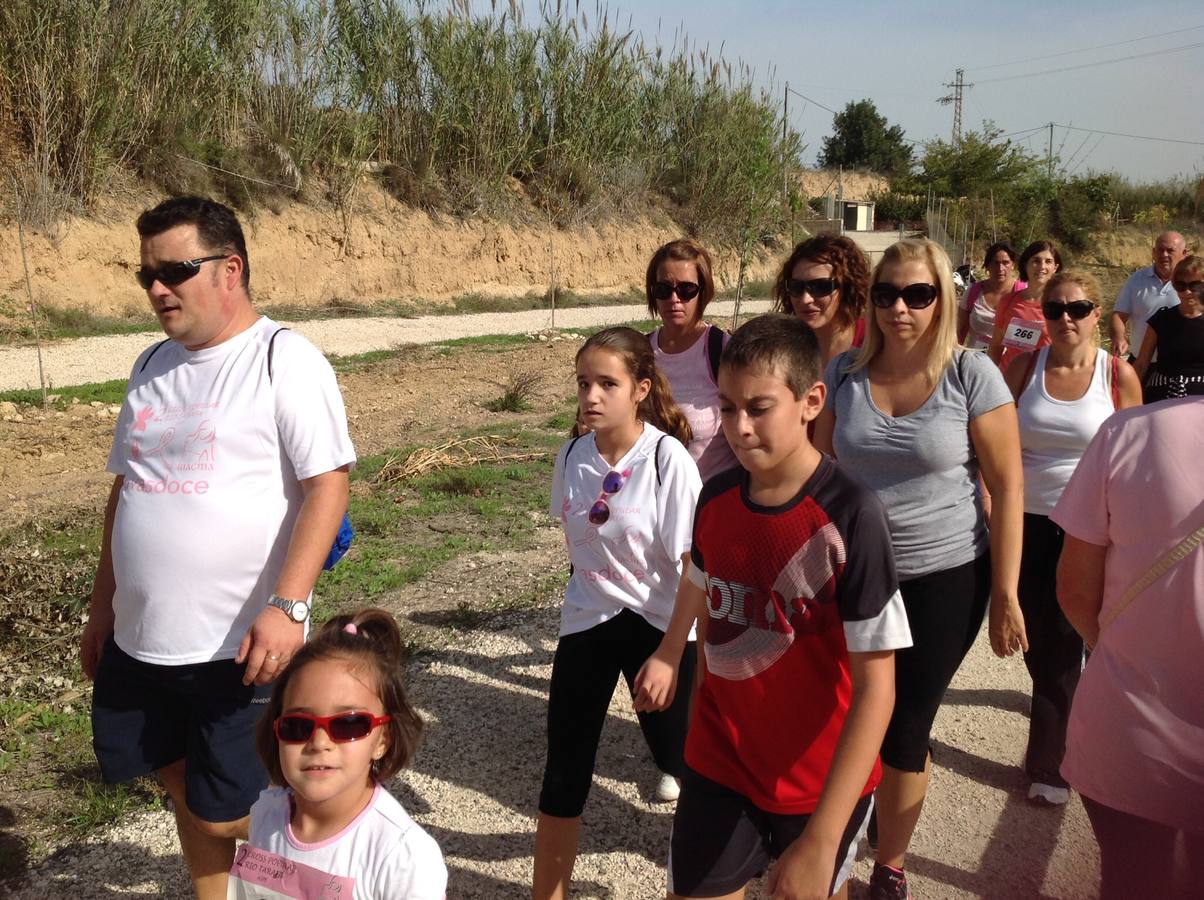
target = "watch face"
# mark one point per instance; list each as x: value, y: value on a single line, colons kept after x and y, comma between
x: 300, y: 611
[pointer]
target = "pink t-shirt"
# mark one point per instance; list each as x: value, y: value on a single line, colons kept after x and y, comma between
x: 697, y: 396
x: 1136, y: 735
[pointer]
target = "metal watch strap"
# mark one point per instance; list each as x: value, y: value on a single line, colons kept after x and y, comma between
x: 287, y: 606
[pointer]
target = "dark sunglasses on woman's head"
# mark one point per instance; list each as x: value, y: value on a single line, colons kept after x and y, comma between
x: 599, y: 513
x: 1196, y: 287
x: 173, y: 273
x: 686, y: 290
x: 916, y: 296
x: 1076, y: 309
x: 297, y: 728
x: 816, y: 287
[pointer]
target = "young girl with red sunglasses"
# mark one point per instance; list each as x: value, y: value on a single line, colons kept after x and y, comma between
x: 337, y: 727
x: 625, y: 493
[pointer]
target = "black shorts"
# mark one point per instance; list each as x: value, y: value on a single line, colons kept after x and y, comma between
x: 146, y: 717
x: 720, y: 841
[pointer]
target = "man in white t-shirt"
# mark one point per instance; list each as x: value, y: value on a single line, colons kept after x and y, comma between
x: 231, y: 459
x: 1147, y: 291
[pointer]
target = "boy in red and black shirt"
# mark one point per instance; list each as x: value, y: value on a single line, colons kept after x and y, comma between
x: 792, y: 563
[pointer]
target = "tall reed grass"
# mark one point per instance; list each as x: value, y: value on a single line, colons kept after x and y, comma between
x: 461, y: 112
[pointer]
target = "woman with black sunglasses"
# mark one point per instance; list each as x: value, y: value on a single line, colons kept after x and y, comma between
x: 825, y: 283
x: 679, y: 284
x: 917, y: 418
x: 1063, y: 392
x: 1177, y: 334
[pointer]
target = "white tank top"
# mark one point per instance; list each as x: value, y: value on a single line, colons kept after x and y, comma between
x: 1054, y: 433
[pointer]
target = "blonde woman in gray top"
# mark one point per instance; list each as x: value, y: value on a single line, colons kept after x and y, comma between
x: 918, y: 419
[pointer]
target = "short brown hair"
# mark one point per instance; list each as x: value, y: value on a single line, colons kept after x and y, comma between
x: 776, y: 343
x: 683, y: 250
x: 374, y: 645
x: 1188, y: 264
x: 850, y: 271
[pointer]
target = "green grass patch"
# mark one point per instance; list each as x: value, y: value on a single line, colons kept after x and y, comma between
x: 61, y: 323
x: 106, y: 392
x: 405, y: 531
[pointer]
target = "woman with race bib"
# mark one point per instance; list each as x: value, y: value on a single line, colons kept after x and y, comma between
x: 1019, y: 325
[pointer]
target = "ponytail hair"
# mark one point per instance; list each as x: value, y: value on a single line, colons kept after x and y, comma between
x: 370, y: 641
x: 635, y: 351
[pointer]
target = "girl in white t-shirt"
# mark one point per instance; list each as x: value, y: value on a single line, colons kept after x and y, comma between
x: 625, y: 493
x: 337, y: 727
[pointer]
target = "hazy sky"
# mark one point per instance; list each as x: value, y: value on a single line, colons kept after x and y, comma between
x: 900, y: 54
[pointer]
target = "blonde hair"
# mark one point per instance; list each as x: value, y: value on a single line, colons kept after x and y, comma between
x: 942, y: 334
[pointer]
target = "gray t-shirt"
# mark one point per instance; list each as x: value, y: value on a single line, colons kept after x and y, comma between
x: 922, y: 466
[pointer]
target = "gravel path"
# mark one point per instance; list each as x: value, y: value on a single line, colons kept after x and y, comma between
x: 94, y: 359
x: 475, y: 780
x: 476, y: 777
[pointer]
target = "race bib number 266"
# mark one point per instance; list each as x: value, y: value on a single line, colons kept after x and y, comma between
x: 1022, y: 334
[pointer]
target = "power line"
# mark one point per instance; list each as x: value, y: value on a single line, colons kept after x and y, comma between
x: 1102, y: 62
x: 1137, y: 137
x: 1135, y: 40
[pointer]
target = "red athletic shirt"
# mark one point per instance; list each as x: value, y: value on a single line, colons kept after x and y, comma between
x: 790, y: 589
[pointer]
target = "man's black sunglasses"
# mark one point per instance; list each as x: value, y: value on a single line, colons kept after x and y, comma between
x: 915, y: 296
x: 173, y: 273
x: 816, y: 287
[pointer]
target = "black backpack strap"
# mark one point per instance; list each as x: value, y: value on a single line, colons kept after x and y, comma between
x: 656, y: 458
x: 572, y: 444
x: 271, y: 347
x: 154, y: 350
x: 715, y: 336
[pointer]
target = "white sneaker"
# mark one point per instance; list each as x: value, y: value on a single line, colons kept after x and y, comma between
x: 668, y: 789
x: 1047, y: 794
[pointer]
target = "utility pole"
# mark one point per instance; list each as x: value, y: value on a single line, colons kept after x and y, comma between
x: 785, y: 167
x: 958, y: 87
x: 1049, y: 153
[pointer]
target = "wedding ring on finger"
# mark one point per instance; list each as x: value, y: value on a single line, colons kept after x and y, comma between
x: 273, y: 656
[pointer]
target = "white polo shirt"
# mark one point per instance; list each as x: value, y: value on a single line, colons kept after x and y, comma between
x: 1142, y: 296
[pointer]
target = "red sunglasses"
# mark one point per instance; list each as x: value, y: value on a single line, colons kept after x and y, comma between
x: 297, y: 728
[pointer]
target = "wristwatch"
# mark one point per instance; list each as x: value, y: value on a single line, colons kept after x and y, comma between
x: 297, y: 610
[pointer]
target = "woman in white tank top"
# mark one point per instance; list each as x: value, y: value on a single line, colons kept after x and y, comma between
x: 1063, y: 394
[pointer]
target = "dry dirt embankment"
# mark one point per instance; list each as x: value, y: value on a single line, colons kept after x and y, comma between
x: 302, y: 256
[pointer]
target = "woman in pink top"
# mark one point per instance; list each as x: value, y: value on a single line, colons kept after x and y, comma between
x: 679, y: 285
x: 825, y: 282
x: 976, y: 312
x: 1134, y: 748
x: 1019, y: 325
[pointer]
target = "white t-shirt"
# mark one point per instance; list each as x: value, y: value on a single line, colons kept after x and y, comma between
x: 382, y: 854
x: 633, y: 561
x: 212, y: 451
x: 1143, y: 294
x: 697, y: 396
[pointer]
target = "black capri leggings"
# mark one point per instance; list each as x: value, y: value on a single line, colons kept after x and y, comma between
x: 945, y: 611
x: 584, y: 671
